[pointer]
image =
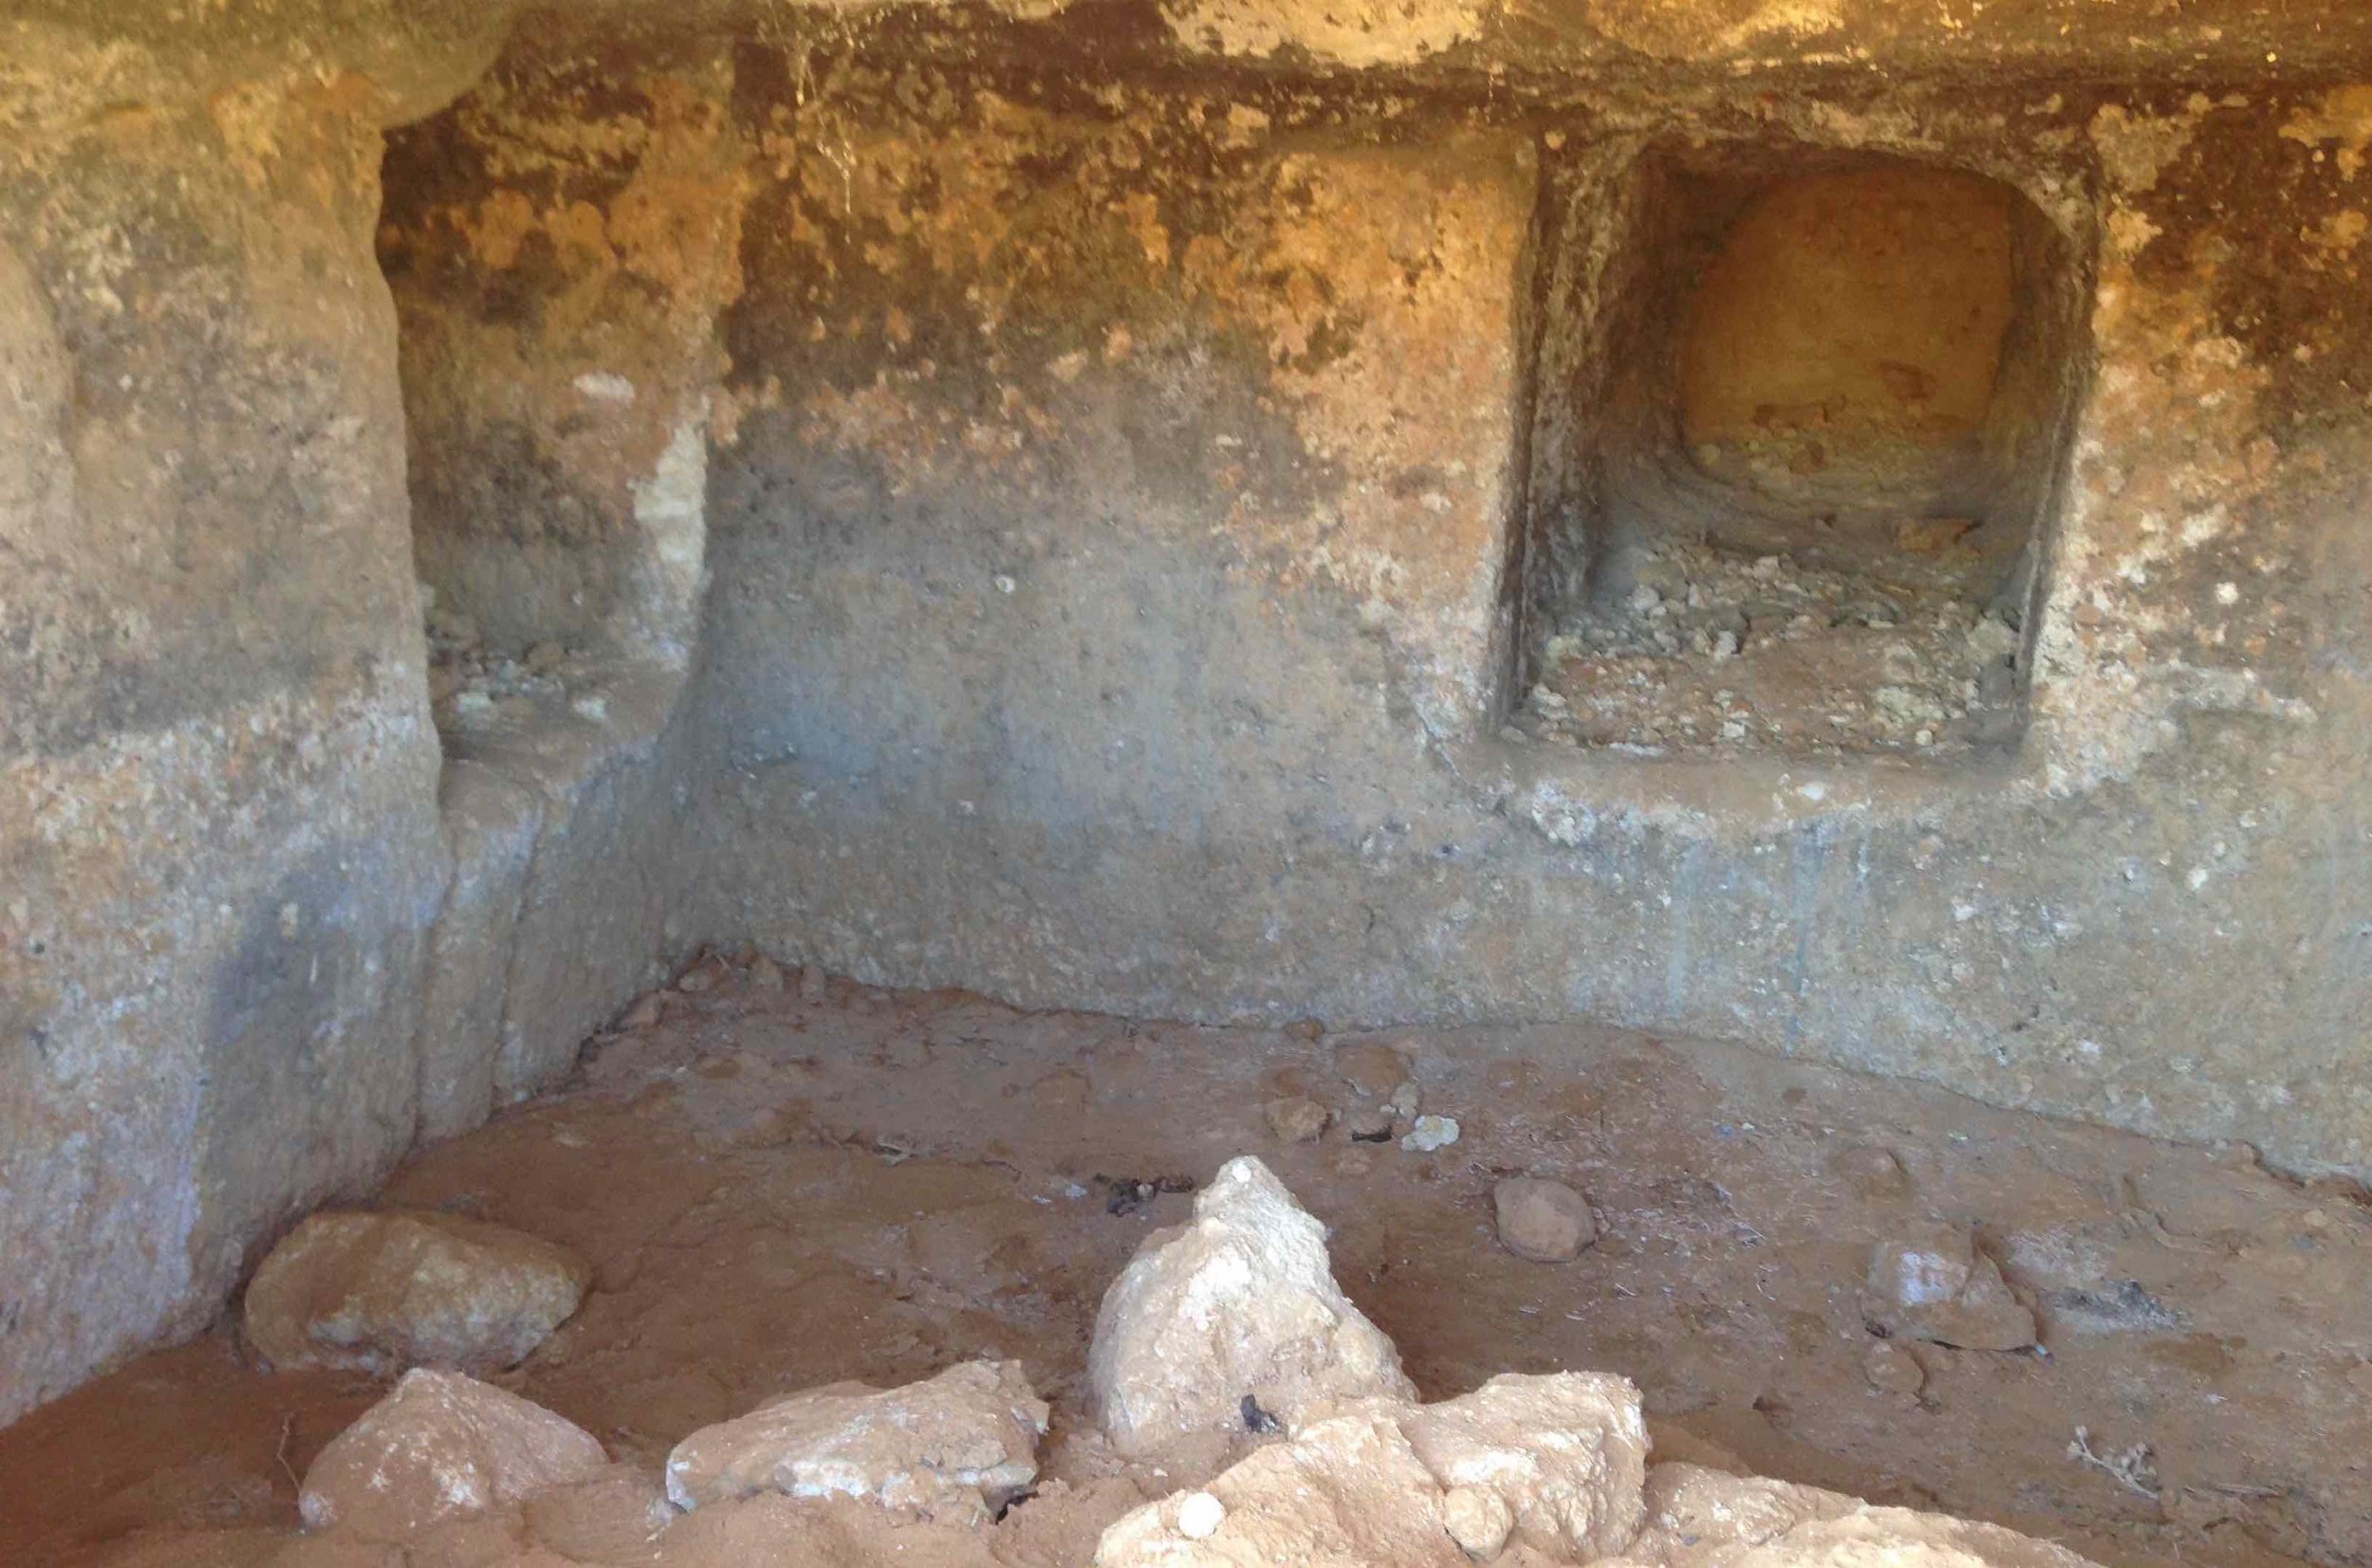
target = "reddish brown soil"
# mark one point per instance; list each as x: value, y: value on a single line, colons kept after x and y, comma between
x: 777, y: 1193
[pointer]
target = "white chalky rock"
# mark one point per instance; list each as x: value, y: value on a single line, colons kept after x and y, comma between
x: 1695, y: 1513
x: 1430, y: 1133
x: 1699, y: 1518
x: 1237, y: 1303
x: 1199, y: 1516
x: 1346, y: 1492
x: 1567, y: 1451
x: 441, y: 1445
x: 953, y: 1448
x: 1478, y: 1519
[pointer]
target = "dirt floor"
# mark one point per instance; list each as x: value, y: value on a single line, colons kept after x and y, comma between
x: 780, y: 1191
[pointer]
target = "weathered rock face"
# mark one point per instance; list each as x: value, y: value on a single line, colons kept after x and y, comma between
x: 219, y: 784
x: 1009, y: 342
x: 1346, y: 1492
x: 218, y: 847
x: 385, y: 1292
x: 1821, y: 311
x: 1694, y: 1515
x: 559, y: 249
x: 952, y: 1449
x: 1705, y: 1518
x: 441, y: 1447
x: 1239, y: 1305
x: 1566, y: 1452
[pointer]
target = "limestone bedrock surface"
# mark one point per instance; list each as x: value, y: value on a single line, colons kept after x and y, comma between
x: 953, y: 1448
x: 1240, y: 1302
x: 385, y: 1292
x: 441, y: 1445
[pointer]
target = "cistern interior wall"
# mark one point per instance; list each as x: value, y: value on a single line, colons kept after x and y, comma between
x: 1068, y: 506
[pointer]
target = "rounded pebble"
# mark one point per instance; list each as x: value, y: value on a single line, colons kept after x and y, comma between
x: 1199, y: 1516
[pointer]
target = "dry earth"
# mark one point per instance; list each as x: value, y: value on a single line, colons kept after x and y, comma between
x: 778, y: 1192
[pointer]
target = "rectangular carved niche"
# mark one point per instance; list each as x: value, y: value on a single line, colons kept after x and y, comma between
x: 1798, y: 426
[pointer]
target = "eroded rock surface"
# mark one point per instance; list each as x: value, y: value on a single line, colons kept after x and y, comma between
x: 1239, y: 1303
x: 1478, y: 1519
x: 1704, y: 1519
x: 442, y: 1445
x: 1930, y: 1283
x: 1346, y: 1492
x: 1696, y: 1515
x: 1566, y: 1452
x: 952, y: 1448
x: 386, y: 1291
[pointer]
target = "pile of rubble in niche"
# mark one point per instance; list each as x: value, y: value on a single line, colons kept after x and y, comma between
x: 1254, y: 1415
x: 470, y: 686
x: 1718, y: 649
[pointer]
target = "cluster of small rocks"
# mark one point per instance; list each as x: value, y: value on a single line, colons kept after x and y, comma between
x: 701, y: 983
x: 1715, y: 649
x: 1380, y: 1102
x: 1228, y: 1367
x: 472, y: 685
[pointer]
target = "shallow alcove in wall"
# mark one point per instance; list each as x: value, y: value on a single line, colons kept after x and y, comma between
x: 1810, y: 405
x: 555, y: 310
x: 558, y: 243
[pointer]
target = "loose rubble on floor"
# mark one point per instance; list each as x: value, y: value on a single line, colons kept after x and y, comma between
x: 1238, y: 1305
x: 1544, y: 1221
x: 441, y: 1447
x: 956, y: 1448
x: 1842, y: 1283
x: 1715, y: 649
x: 1244, y: 1414
x: 380, y: 1292
x: 471, y: 685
